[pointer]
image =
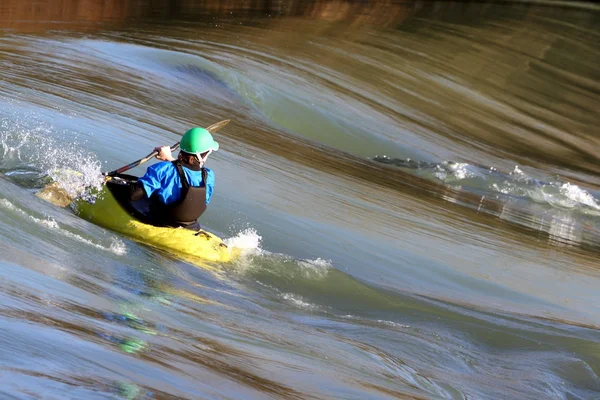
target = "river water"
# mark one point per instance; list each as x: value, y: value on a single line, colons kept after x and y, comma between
x: 415, y: 185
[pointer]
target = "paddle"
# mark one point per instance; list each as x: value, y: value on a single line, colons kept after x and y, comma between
x: 138, y: 162
x: 211, y: 129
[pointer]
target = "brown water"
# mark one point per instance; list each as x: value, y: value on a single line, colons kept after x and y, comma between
x: 416, y: 184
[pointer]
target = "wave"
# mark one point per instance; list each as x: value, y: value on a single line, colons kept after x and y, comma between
x: 116, y: 246
x: 291, y: 95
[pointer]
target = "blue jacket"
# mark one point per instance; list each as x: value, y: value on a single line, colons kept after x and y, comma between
x: 163, y: 179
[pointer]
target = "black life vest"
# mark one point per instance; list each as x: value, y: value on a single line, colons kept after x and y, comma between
x: 187, y: 209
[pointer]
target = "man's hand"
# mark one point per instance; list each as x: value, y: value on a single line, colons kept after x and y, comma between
x: 164, y: 153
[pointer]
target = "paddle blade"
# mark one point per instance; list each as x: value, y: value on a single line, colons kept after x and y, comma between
x: 217, y: 126
x: 54, y: 194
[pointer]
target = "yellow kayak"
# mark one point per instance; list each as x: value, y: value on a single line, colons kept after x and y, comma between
x: 112, y: 211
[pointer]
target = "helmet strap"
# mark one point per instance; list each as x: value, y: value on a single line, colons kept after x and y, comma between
x: 201, y: 159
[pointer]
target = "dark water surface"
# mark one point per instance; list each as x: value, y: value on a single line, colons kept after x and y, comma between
x: 416, y: 186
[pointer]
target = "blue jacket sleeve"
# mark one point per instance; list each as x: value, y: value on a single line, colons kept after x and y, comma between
x: 151, y: 181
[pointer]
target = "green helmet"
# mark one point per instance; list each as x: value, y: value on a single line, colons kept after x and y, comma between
x: 197, y: 141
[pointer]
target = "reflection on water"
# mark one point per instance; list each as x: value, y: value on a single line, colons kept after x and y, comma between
x: 42, y: 14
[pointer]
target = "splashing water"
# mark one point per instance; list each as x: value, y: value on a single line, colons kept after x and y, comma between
x: 247, y: 240
x: 34, y: 148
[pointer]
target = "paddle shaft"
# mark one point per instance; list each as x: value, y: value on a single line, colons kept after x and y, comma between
x: 138, y: 162
x: 211, y: 129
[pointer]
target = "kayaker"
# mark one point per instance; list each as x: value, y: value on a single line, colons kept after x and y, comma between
x: 179, y: 189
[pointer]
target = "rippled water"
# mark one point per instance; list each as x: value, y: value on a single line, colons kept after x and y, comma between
x: 415, y: 186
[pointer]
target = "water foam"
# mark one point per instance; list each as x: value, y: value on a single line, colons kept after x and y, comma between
x: 117, y: 246
x: 254, y: 259
x: 314, y: 269
x: 393, y: 324
x: 299, y: 302
x: 579, y: 196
